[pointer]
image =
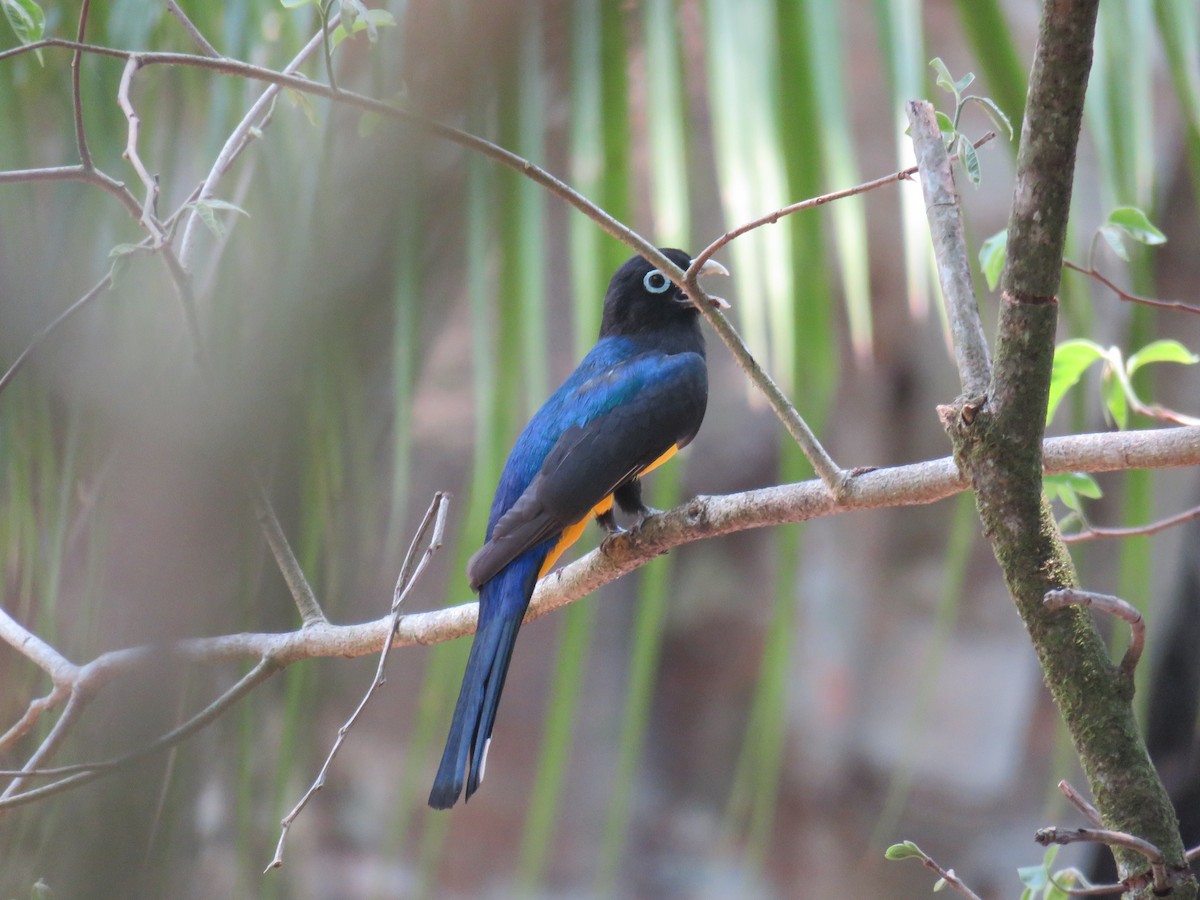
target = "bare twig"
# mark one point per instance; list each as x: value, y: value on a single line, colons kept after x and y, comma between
x: 950, y: 249
x: 1080, y: 803
x: 302, y: 593
x: 77, y: 700
x: 190, y: 27
x: 430, y: 533
x: 99, y: 288
x: 1114, y: 606
x: 1158, y: 862
x: 32, y: 713
x: 82, y: 774
x: 149, y: 206
x: 1090, y: 532
x: 1123, y: 294
x: 81, y: 144
x: 237, y: 141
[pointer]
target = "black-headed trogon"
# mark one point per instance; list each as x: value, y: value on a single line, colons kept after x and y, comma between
x: 637, y: 397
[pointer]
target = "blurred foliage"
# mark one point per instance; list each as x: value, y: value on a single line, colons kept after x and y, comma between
x: 383, y: 321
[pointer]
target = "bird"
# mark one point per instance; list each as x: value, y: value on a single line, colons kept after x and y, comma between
x: 635, y: 399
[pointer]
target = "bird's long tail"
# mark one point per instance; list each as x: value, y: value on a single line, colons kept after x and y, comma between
x: 503, y: 601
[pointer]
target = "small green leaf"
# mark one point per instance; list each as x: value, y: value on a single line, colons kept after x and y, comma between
x: 1136, y: 224
x: 304, y: 103
x: 1113, y: 236
x: 994, y: 112
x: 26, y: 18
x: 963, y: 83
x: 1071, y: 359
x: 904, y: 850
x: 944, y: 79
x: 1161, y: 351
x: 939, y: 885
x: 946, y: 127
x: 370, y: 21
x: 1115, y: 401
x: 207, y: 210
x: 992, y: 253
x: 367, y: 123
x: 1069, y: 487
x: 1033, y: 877
x: 969, y: 159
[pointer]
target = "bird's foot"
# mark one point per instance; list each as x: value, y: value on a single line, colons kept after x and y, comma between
x: 645, y: 513
x: 608, y: 521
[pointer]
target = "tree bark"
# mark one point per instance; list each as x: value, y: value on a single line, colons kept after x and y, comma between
x: 998, y: 446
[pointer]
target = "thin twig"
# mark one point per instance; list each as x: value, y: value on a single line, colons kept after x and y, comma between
x: 1123, y: 294
x: 190, y: 27
x: 81, y: 144
x: 82, y: 774
x: 1080, y: 803
x: 433, y: 526
x: 1092, y: 532
x: 76, y: 702
x: 943, y: 209
x: 237, y: 141
x: 32, y: 713
x: 302, y: 593
x: 150, y: 205
x: 1114, y: 606
x: 1158, y: 862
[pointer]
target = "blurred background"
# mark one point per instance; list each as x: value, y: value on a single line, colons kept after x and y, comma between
x: 757, y: 716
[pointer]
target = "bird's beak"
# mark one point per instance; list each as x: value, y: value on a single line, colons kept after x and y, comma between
x: 712, y: 267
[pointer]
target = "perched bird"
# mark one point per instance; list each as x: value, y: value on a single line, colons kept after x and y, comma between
x: 636, y: 398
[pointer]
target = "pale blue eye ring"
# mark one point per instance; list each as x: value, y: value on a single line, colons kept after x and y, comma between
x: 656, y: 282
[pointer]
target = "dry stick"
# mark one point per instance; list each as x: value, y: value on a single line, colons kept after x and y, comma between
x: 1122, y: 294
x: 237, y: 141
x: 700, y: 518
x: 32, y: 713
x: 293, y: 573
x: 1093, y: 532
x: 99, y: 288
x: 149, y: 206
x: 190, y: 27
x: 85, y: 155
x: 1158, y: 862
x: 946, y: 228
x: 434, y: 525
x: 1080, y: 803
x: 494, y: 152
x: 82, y: 774
x: 1114, y: 606
x: 77, y: 700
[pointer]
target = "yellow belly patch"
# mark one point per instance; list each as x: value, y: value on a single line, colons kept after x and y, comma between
x: 572, y: 532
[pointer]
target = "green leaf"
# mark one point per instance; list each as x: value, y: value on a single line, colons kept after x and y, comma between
x: 304, y: 103
x: 1161, y: 351
x: 295, y: 4
x: 1115, y: 400
x: 1113, y: 236
x: 992, y: 253
x: 946, y: 127
x: 969, y: 159
x: 944, y: 79
x: 207, y: 210
x: 939, y: 885
x: 1071, y: 359
x: 1136, y: 224
x: 994, y: 112
x: 369, y: 21
x: 1069, y: 487
x: 904, y: 850
x: 963, y: 83
x: 1033, y: 877
x: 26, y: 18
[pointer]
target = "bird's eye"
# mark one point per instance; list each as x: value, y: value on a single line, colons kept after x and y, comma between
x: 656, y: 282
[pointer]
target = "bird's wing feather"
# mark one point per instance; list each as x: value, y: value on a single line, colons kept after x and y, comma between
x: 622, y: 420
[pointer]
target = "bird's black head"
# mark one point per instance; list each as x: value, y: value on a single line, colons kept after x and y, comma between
x: 642, y: 300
